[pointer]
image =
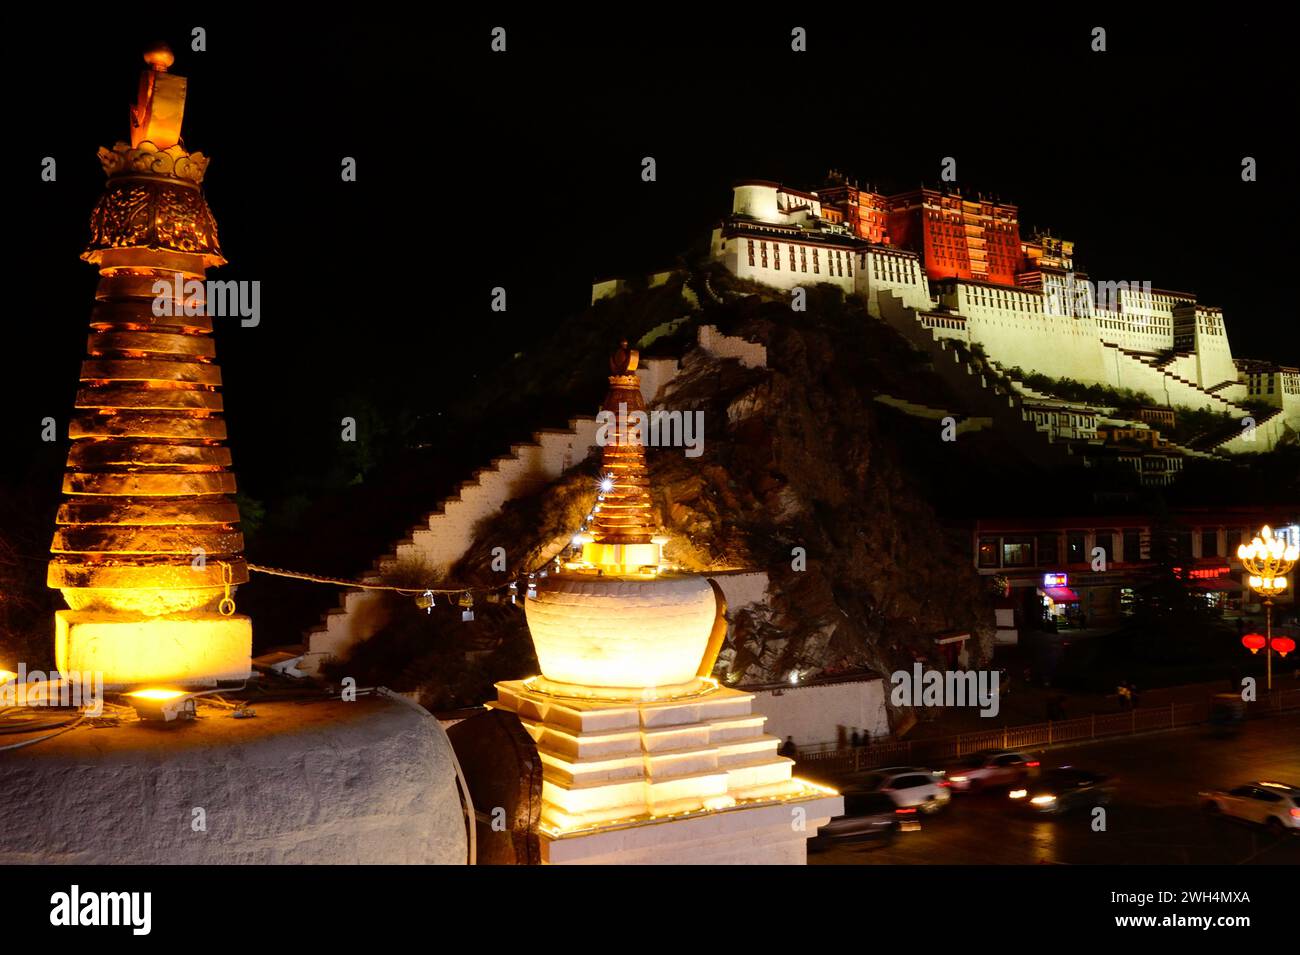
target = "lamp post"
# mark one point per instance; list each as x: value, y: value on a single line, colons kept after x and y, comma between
x: 1268, y: 560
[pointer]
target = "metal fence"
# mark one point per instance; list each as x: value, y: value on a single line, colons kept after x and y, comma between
x: 896, y: 752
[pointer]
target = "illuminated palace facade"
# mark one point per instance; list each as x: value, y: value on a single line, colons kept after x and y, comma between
x: 961, y: 269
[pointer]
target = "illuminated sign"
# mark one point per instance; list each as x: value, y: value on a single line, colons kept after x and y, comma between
x: 1056, y: 580
x: 1205, y: 573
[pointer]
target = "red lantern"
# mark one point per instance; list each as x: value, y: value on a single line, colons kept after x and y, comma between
x: 1283, y: 645
x: 1254, y: 642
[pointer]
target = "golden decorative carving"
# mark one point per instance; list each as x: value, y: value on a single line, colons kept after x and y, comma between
x: 148, y: 160
x: 155, y: 215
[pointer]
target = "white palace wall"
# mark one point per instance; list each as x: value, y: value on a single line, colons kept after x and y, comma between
x: 882, y: 270
x: 769, y: 260
x: 1014, y: 329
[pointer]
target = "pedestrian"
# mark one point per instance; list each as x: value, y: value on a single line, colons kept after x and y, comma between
x: 1133, y: 694
x: 854, y: 739
x: 789, y: 749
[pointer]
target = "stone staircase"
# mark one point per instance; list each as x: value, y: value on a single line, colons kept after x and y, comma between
x: 1233, y: 433
x: 440, y: 538
x: 983, y: 391
x: 1147, y: 374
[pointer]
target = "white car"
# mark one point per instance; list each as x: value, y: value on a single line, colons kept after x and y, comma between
x: 1272, y: 804
x: 911, y: 787
x: 990, y: 769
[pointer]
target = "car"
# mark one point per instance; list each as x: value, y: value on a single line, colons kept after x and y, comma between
x: 1063, y: 789
x: 869, y: 816
x: 1264, y: 802
x: 910, y: 787
x: 989, y: 769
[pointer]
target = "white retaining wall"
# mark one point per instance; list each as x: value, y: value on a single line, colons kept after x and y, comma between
x: 813, y: 713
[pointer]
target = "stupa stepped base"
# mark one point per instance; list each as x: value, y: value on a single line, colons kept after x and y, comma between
x: 641, y: 779
x: 764, y: 834
x: 132, y: 651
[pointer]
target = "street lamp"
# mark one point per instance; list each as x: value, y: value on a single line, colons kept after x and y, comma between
x: 1268, y: 560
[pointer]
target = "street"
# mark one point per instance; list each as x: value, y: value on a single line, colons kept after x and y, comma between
x: 1154, y: 817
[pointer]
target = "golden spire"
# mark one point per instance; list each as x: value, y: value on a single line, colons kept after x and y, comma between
x: 624, y: 516
x: 620, y: 542
x: 148, y: 525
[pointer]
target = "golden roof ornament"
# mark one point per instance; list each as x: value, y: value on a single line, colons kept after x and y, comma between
x: 153, y: 200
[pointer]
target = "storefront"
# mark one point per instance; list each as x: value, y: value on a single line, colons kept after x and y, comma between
x: 1216, y: 586
x: 1060, y: 603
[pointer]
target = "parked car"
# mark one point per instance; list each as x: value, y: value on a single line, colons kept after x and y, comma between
x: 1265, y: 803
x: 910, y: 787
x: 990, y: 769
x: 868, y: 817
x: 1064, y: 789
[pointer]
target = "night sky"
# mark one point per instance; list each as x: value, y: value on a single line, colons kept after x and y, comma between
x: 523, y: 170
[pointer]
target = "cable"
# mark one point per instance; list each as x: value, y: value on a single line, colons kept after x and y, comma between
x: 423, y: 591
x: 40, y: 739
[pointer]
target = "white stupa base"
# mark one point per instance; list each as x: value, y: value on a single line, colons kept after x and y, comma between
x: 688, y: 779
x: 371, y: 781
x: 771, y: 834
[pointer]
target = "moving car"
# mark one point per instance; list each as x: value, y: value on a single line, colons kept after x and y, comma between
x: 910, y: 787
x: 1064, y: 789
x: 989, y: 769
x: 1266, y: 803
x: 868, y: 817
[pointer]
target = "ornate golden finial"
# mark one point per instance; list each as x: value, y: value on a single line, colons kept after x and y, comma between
x: 160, y: 57
x: 153, y: 201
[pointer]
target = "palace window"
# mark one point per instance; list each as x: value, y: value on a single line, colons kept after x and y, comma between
x: 1048, y: 549
x: 1209, y: 543
x: 1017, y: 552
x: 1106, y: 541
x: 988, y: 552
x: 763, y: 248
x: 803, y: 258
x: 1074, y: 551
x: 792, y: 258
x: 816, y: 265
x: 751, y: 252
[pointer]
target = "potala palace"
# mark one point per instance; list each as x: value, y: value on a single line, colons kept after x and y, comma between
x: 958, y: 269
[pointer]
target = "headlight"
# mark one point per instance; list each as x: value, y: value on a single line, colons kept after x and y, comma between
x: 1043, y: 800
x: 958, y: 779
x: 1018, y: 794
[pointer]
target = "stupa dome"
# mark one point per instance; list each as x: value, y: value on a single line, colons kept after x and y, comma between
x: 619, y: 632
